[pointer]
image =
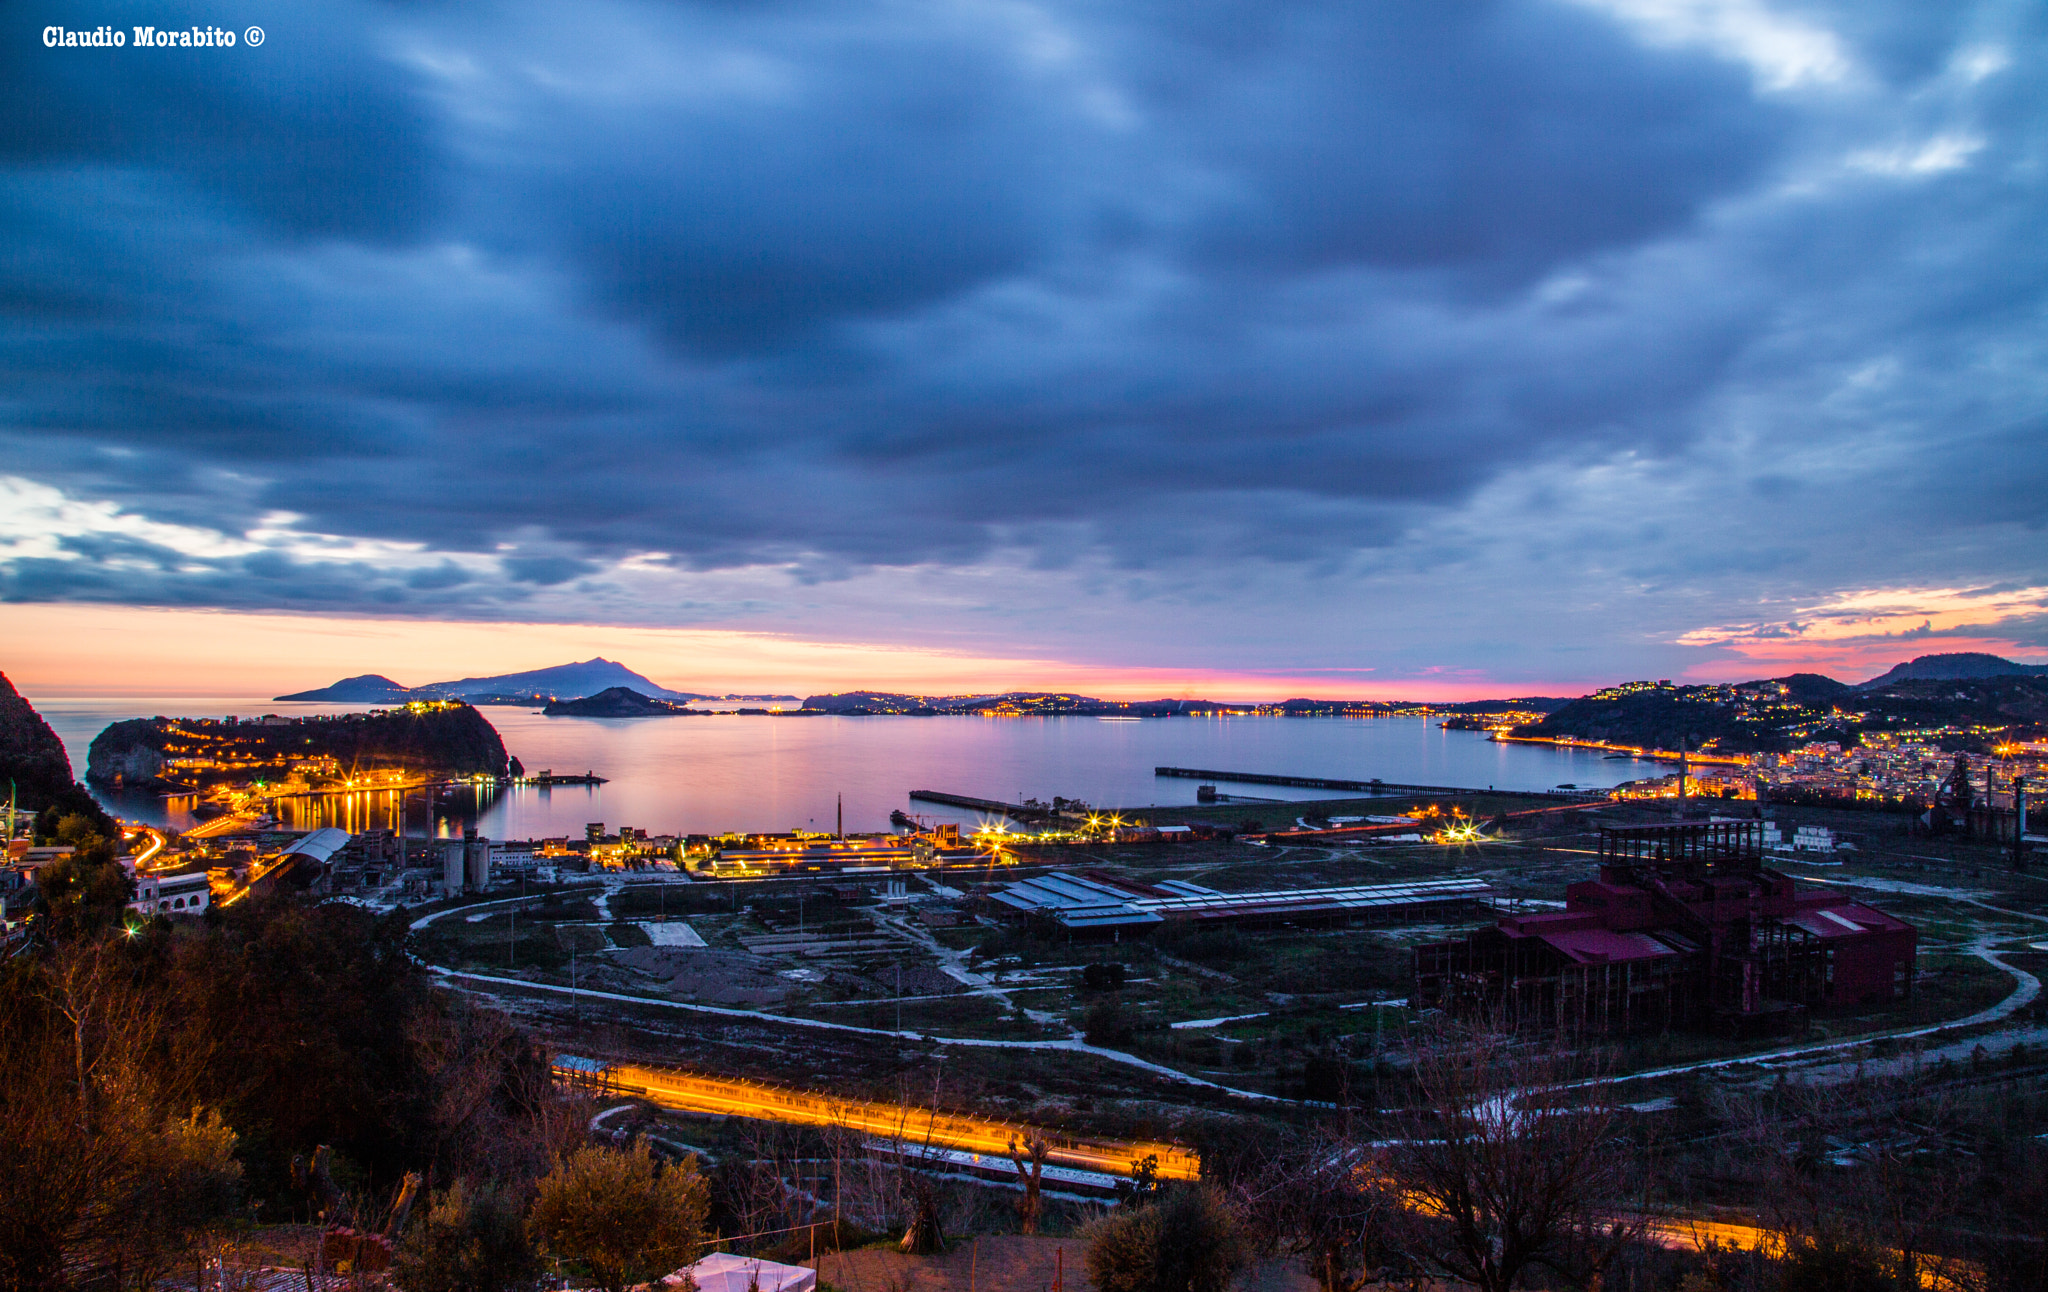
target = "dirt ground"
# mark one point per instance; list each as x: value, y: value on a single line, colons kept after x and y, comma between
x: 1006, y: 1263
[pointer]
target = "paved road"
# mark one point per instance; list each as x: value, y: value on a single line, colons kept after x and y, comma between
x: 2026, y: 989
x: 1071, y: 1045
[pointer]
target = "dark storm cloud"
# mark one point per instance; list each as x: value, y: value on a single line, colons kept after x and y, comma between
x: 1498, y: 139
x: 524, y: 292
x: 317, y: 137
x: 898, y: 167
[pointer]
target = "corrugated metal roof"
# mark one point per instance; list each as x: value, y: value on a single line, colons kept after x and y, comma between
x: 1102, y: 917
x: 1060, y: 889
x: 1845, y: 921
x: 1602, y: 946
x: 1358, y: 897
x: 1073, y: 901
x: 319, y: 845
x: 1078, y: 902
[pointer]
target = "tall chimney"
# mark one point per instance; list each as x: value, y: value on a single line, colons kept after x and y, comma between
x: 2019, y: 821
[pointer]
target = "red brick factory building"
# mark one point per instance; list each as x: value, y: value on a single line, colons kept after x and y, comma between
x: 1685, y: 927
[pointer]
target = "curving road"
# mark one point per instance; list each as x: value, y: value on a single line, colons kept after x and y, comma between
x: 1073, y: 1045
x: 156, y: 844
x: 2026, y: 989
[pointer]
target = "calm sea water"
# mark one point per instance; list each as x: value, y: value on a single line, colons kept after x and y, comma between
x: 677, y: 775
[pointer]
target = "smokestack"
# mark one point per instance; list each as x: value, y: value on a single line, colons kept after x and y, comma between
x: 842, y: 817
x: 1678, y: 813
x: 2019, y: 821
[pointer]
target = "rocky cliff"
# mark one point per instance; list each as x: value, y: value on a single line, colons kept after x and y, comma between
x: 34, y: 759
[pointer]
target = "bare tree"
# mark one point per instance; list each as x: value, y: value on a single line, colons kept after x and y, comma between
x: 107, y: 1174
x: 761, y: 1185
x: 1030, y: 1160
x: 1862, y: 1179
x: 925, y: 1233
x: 1503, y: 1164
x: 1319, y: 1197
x: 496, y: 1111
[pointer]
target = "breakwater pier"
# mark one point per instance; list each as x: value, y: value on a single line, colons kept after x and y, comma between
x: 1368, y: 787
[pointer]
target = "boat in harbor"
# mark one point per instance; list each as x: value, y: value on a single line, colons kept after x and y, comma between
x: 550, y: 778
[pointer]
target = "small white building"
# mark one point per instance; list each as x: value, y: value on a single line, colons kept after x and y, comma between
x: 184, y: 893
x: 1813, y: 838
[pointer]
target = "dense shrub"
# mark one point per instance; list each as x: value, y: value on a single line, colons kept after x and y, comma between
x: 1104, y: 977
x: 1186, y: 1240
x: 620, y: 1213
x: 472, y: 1239
x: 1107, y: 1023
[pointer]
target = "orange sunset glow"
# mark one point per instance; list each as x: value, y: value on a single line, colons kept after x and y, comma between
x: 79, y: 650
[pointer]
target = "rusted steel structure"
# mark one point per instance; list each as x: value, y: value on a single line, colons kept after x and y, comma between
x: 1685, y: 927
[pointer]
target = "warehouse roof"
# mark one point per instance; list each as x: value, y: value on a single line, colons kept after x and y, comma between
x: 1075, y: 902
x: 1084, y: 903
x: 319, y: 845
x: 1359, y: 897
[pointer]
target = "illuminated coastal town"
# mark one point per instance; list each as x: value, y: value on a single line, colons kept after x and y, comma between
x: 676, y: 646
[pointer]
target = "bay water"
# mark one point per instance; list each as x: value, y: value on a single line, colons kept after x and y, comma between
x: 674, y: 775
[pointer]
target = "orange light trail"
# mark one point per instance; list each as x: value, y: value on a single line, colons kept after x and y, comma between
x: 689, y: 1092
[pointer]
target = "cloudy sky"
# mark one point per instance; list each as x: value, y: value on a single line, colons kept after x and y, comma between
x: 1371, y: 347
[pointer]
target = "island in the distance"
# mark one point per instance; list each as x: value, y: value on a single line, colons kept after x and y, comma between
x: 1064, y: 704
x: 619, y: 702
x: 366, y: 688
x: 535, y: 686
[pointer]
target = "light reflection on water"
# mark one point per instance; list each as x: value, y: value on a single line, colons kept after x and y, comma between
x: 440, y: 815
x: 680, y: 775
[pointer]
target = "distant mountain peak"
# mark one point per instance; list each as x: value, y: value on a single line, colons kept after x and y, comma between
x: 585, y: 677
x: 1955, y: 666
x: 364, y: 688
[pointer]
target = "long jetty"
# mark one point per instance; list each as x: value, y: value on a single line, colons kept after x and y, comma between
x: 1015, y: 811
x: 1371, y: 787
